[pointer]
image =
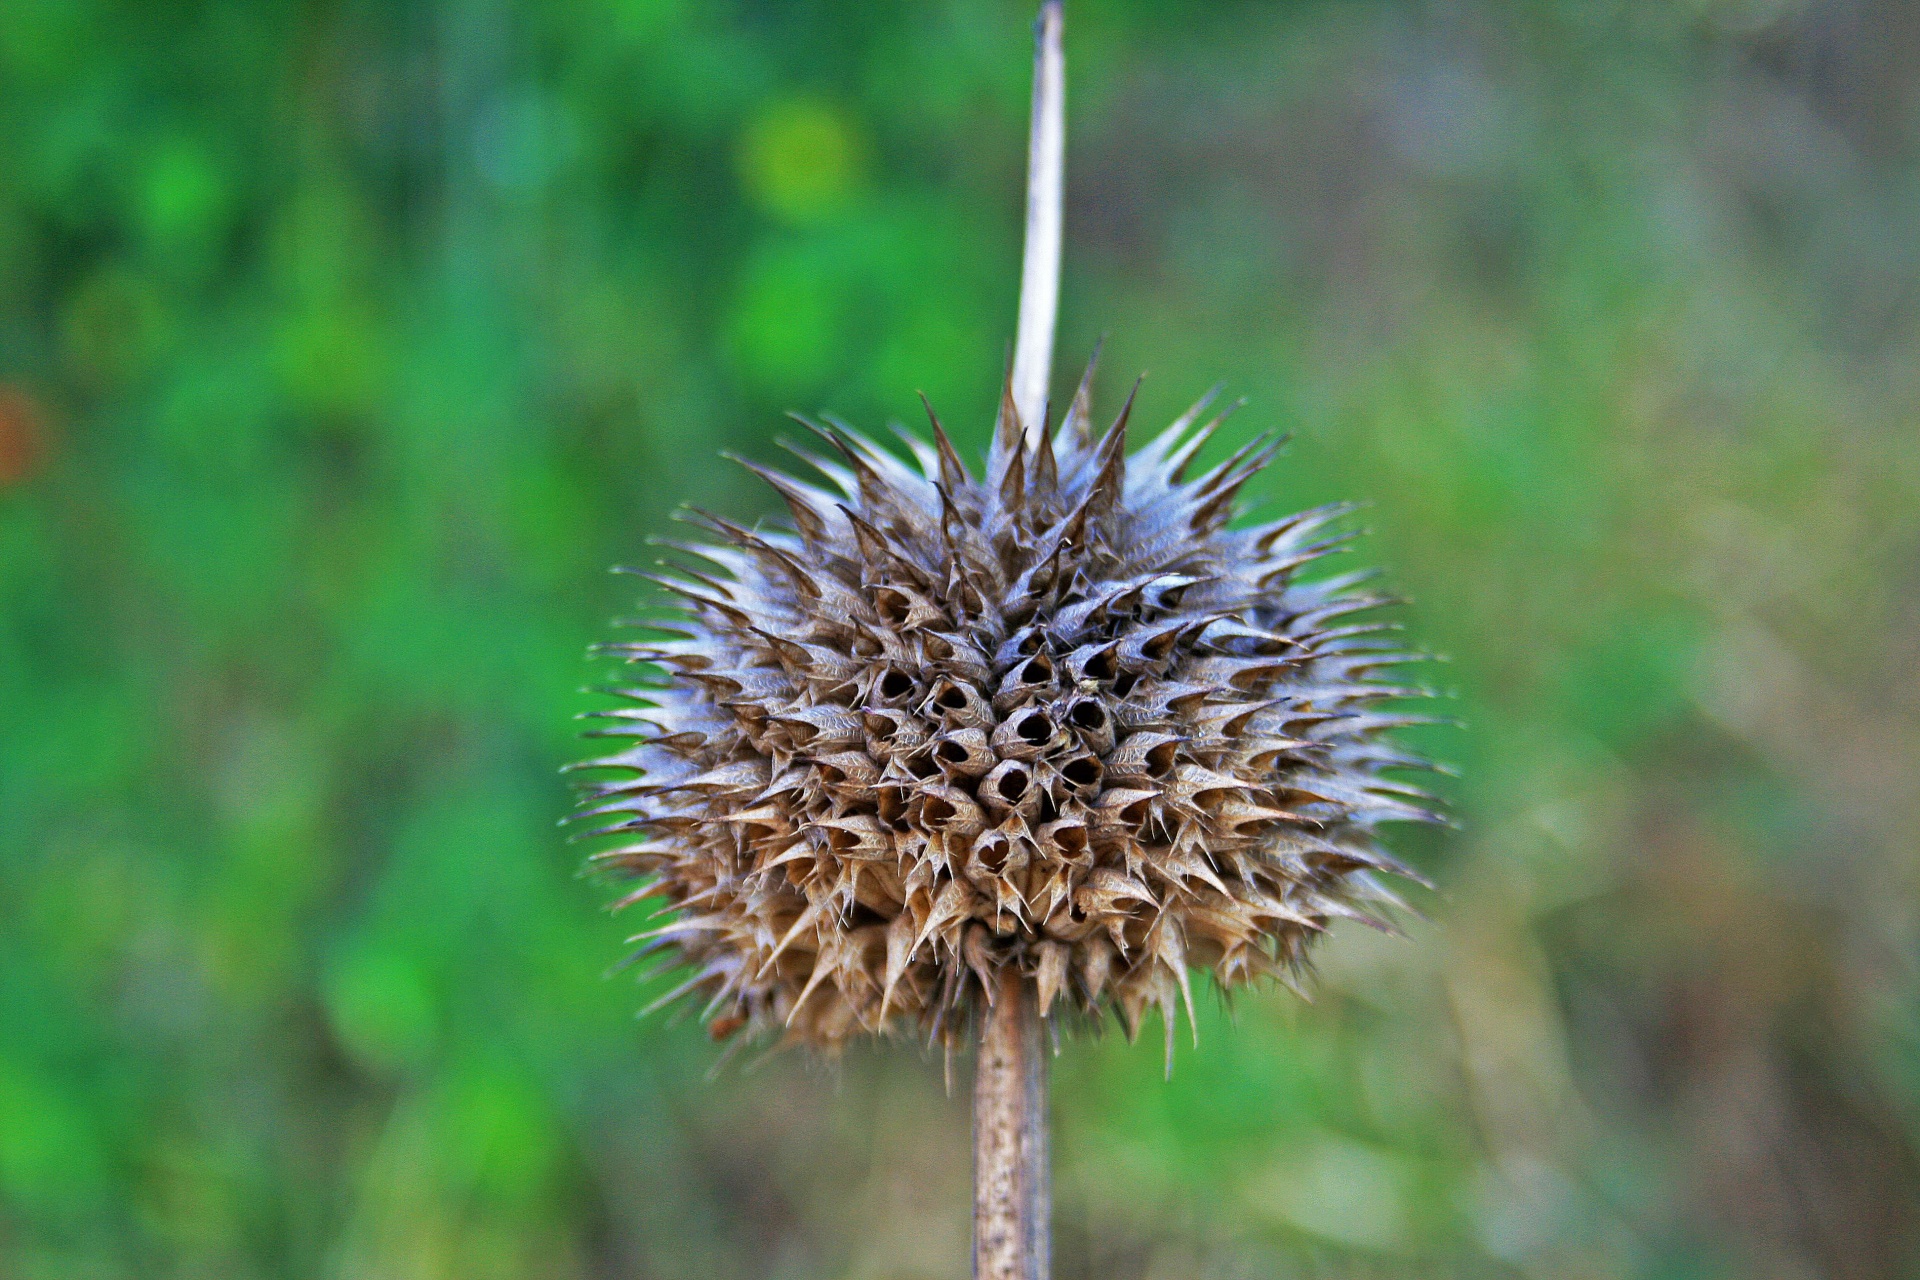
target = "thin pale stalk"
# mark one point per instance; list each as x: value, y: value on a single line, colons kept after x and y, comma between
x: 1046, y: 187
x: 1012, y: 1203
x: 1012, y: 1200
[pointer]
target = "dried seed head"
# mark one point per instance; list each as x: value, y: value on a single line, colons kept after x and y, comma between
x: 1058, y: 717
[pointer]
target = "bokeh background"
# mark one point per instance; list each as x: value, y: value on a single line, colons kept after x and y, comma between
x: 345, y: 344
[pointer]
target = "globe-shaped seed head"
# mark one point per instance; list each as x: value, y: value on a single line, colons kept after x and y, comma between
x: 1060, y: 717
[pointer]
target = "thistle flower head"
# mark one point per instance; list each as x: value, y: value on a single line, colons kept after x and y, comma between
x: 1059, y: 717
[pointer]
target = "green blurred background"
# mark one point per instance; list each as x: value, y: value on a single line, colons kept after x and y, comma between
x: 344, y: 345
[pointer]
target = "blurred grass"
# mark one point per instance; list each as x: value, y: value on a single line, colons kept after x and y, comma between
x: 343, y: 346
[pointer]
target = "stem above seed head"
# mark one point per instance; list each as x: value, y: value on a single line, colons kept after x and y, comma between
x: 1046, y: 188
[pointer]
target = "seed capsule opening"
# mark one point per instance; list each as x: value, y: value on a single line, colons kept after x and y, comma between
x: 1082, y: 773
x: 964, y: 752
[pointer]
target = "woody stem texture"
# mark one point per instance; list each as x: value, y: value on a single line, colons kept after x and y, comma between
x: 1011, y: 1199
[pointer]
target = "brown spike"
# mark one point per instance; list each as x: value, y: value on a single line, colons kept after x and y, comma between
x: 879, y: 550
x: 1110, y: 478
x: 1009, y: 432
x: 748, y: 540
x: 1249, y: 462
x: 798, y: 497
x: 1009, y: 447
x: 875, y: 495
x: 1013, y: 484
x: 1179, y: 460
x: 953, y: 472
x: 1046, y: 471
x: 1076, y: 429
x: 1155, y: 453
x: 1119, y: 427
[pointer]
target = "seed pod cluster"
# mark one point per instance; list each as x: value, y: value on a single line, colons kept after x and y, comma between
x: 1060, y: 717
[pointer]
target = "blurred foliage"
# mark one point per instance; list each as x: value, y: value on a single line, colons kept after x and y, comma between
x: 343, y: 346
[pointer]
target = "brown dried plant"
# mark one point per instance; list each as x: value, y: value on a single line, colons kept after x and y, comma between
x: 947, y: 753
x: 1060, y: 719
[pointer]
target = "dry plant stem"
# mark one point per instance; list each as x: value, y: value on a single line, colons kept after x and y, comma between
x: 1011, y: 1200
x: 1012, y: 1203
x: 1040, y: 267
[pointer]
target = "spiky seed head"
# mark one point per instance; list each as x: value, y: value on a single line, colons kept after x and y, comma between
x: 1059, y: 717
